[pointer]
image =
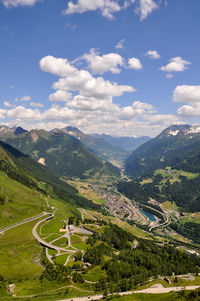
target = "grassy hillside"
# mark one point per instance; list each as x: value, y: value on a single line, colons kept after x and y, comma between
x: 18, y: 201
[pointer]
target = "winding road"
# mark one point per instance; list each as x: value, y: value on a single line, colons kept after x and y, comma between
x: 23, y: 222
x: 43, y: 242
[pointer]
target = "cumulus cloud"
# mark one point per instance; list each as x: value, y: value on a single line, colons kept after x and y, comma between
x: 24, y: 113
x: 36, y: 105
x: 2, y: 113
x: 186, y: 94
x: 153, y: 54
x: 145, y: 8
x: 134, y: 63
x: 92, y: 104
x: 109, y: 7
x: 101, y: 64
x: 57, y: 66
x: 7, y: 104
x: 101, y: 117
x: 176, y: 64
x: 187, y: 111
x: 58, y: 113
x: 106, y: 7
x: 87, y: 102
x: 25, y: 98
x: 189, y: 95
x: 15, y: 3
x: 137, y: 109
x: 89, y: 86
x: 60, y: 95
x: 73, y: 79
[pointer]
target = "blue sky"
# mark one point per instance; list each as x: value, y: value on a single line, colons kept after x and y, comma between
x: 121, y: 67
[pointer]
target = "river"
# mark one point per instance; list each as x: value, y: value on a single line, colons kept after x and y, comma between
x: 148, y: 215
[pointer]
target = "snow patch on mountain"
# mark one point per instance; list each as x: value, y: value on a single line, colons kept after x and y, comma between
x: 173, y: 133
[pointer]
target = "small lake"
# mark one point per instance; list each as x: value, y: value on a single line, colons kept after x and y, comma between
x: 148, y: 215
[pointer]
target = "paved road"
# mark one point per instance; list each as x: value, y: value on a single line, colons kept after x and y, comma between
x: 152, y: 290
x: 23, y: 222
x: 43, y: 242
x: 165, y: 216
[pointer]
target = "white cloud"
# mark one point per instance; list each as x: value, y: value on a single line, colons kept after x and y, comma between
x: 92, y: 104
x: 95, y: 116
x: 7, y: 104
x: 134, y: 63
x: 58, y: 113
x: 89, y: 86
x: 145, y: 8
x: 187, y: 111
x: 153, y: 54
x: 73, y: 79
x: 189, y: 95
x: 136, y: 110
x: 120, y: 44
x: 101, y: 64
x: 15, y: 3
x: 90, y: 108
x: 2, y: 113
x: 21, y: 112
x: 58, y: 66
x: 60, y: 95
x: 107, y: 7
x: 25, y: 98
x: 186, y: 94
x: 176, y: 64
x: 36, y: 104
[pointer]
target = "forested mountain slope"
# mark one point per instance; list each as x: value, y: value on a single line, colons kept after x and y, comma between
x: 61, y: 153
x: 177, y: 146
x: 167, y: 168
x: 21, y: 168
x: 97, y: 144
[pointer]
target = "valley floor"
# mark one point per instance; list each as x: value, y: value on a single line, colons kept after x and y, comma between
x: 22, y: 244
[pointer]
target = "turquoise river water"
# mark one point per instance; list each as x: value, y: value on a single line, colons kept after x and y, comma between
x: 148, y: 215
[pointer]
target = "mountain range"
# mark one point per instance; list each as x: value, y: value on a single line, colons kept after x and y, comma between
x: 61, y: 152
x: 177, y: 146
x: 167, y: 168
x: 126, y: 143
